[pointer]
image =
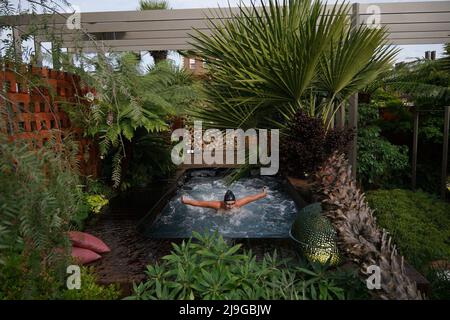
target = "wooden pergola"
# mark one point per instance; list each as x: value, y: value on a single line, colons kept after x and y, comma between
x: 408, y: 23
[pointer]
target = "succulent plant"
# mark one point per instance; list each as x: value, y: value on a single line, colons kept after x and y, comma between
x: 359, y: 237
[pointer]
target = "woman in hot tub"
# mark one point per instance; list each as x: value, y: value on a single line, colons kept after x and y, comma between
x: 229, y: 202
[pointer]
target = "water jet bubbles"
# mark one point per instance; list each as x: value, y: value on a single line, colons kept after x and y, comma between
x: 270, y: 216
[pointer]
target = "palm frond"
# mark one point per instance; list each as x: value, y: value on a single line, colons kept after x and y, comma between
x: 268, y: 58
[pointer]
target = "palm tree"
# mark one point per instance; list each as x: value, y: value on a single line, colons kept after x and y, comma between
x: 158, y: 55
x: 271, y: 60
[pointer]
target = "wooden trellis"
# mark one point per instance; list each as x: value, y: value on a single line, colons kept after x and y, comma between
x: 33, y: 110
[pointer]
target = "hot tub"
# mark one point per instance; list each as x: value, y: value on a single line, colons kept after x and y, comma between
x: 270, y: 217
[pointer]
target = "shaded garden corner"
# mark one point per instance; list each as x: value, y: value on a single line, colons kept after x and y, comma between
x: 132, y: 252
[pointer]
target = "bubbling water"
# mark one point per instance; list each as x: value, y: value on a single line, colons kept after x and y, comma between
x: 270, y: 217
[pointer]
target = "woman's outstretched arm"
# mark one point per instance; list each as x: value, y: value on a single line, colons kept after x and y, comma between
x: 248, y: 199
x: 204, y: 204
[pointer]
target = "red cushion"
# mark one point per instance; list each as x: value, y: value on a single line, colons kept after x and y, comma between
x: 88, y: 241
x: 84, y: 256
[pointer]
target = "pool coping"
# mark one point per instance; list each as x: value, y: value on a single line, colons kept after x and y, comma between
x: 150, y: 217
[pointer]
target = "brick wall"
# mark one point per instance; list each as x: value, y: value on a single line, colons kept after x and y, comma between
x: 31, y: 108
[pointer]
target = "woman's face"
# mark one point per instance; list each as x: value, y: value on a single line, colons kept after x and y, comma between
x: 229, y: 204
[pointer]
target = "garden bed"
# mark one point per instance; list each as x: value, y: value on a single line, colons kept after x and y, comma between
x: 131, y: 251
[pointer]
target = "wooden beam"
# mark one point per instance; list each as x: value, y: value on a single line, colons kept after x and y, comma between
x: 37, y: 52
x: 91, y: 48
x: 184, y: 43
x: 340, y: 116
x: 445, y: 152
x: 353, y: 106
x: 143, y: 26
x: 400, y: 42
x: 185, y: 26
x: 412, y: 28
x: 140, y: 42
x: 17, y: 41
x: 353, y: 124
x: 124, y: 16
x: 410, y: 17
x: 425, y: 8
x: 419, y: 35
x: 414, y: 152
x: 407, y: 23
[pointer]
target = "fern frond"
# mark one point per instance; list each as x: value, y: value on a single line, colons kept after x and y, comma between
x: 117, y: 169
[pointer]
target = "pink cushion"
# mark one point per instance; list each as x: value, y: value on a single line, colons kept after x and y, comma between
x: 84, y: 256
x: 88, y: 241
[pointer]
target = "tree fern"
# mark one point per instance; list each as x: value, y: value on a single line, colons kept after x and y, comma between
x: 127, y: 100
x: 423, y: 82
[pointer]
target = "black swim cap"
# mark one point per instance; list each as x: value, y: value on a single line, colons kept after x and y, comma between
x: 229, y: 196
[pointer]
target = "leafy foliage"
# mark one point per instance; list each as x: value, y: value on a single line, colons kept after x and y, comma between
x: 96, y: 202
x: 306, y: 144
x: 153, y: 5
x: 380, y: 163
x: 426, y: 85
x: 209, y: 268
x: 150, y: 158
x: 424, y: 82
x: 90, y: 290
x: 276, y: 57
x: 440, y: 284
x: 126, y: 101
x: 419, y: 223
x: 383, y: 143
x: 15, y: 284
x: 40, y: 198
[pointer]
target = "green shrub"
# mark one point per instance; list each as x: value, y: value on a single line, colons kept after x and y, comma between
x: 209, y: 268
x: 94, y: 186
x: 90, y: 290
x: 9, y: 274
x: 15, y: 285
x: 96, y: 202
x: 25, y: 278
x: 420, y: 226
x: 40, y: 198
x: 418, y: 222
x: 380, y: 163
x: 440, y: 284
